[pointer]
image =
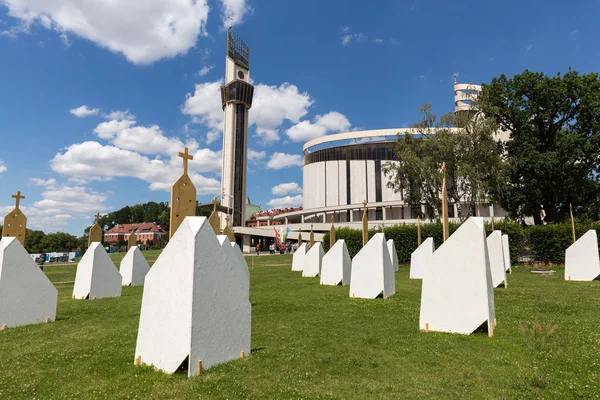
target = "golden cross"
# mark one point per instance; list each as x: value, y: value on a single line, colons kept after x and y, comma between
x: 186, y: 156
x: 18, y: 197
x: 97, y: 217
x: 215, y: 204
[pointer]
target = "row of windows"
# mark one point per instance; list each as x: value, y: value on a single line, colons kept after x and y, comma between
x: 383, y: 151
x: 237, y: 91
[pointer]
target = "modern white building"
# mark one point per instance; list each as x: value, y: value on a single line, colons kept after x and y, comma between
x: 236, y: 99
x: 341, y: 171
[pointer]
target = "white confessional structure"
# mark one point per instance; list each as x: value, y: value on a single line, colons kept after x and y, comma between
x: 393, y: 254
x: 96, y: 276
x: 496, y: 255
x: 337, y: 265
x: 133, y: 267
x: 582, y: 262
x: 26, y: 295
x: 195, y: 307
x: 372, y: 272
x: 420, y: 259
x: 506, y: 250
x: 298, y: 259
x: 313, y: 260
x: 457, y: 294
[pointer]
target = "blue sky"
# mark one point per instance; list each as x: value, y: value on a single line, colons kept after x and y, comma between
x: 95, y: 101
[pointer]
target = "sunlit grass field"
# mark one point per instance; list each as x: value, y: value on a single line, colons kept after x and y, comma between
x: 311, y: 341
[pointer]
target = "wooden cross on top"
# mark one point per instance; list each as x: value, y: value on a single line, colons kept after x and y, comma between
x: 97, y: 217
x: 18, y: 197
x: 186, y: 156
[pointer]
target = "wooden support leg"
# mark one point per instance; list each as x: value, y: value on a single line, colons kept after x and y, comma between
x: 199, y: 370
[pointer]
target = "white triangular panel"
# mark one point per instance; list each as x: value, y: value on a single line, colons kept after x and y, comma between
x: 582, y: 262
x: 337, y: 265
x: 195, y: 303
x: 133, y: 268
x: 457, y: 294
x: 96, y: 276
x: 393, y: 254
x: 298, y: 259
x: 506, y: 250
x: 372, y: 272
x: 313, y: 261
x: 496, y: 255
x: 420, y: 259
x: 26, y: 294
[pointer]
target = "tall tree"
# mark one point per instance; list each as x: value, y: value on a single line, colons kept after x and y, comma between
x: 473, y: 162
x: 553, y: 152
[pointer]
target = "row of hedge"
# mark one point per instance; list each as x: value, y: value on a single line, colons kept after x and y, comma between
x: 540, y: 243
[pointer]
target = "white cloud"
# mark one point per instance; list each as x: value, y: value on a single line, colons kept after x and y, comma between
x: 148, y: 140
x: 286, y: 188
x: 237, y: 9
x: 322, y: 125
x: 348, y: 36
x: 59, y: 204
x: 282, y: 160
x: 205, y: 70
x: 378, y: 40
x: 84, y: 111
x: 271, y: 106
x: 93, y: 161
x: 205, y: 105
x: 286, y: 202
x: 254, y: 155
x: 42, y: 182
x: 143, y: 31
x: 2, y: 167
x: 119, y: 115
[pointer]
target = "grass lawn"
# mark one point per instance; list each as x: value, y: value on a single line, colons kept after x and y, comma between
x: 312, y: 341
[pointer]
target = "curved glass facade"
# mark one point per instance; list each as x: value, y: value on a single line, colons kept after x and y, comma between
x: 378, y: 151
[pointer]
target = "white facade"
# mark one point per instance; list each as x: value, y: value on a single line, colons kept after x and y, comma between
x: 582, y: 261
x: 393, y: 254
x: 26, y: 295
x: 313, y: 260
x: 337, y: 265
x: 372, y: 272
x: 506, y: 250
x: 420, y: 259
x: 457, y: 294
x: 496, y: 255
x: 133, y: 267
x: 195, y: 305
x: 298, y: 258
x: 96, y: 276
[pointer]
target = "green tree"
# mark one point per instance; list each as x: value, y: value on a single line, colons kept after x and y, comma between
x: 59, y: 241
x: 33, y: 240
x: 553, y: 152
x: 473, y: 162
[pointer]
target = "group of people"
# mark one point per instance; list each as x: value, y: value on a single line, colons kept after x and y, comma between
x: 283, y: 248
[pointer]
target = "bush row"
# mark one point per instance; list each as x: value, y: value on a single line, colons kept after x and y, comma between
x: 541, y: 243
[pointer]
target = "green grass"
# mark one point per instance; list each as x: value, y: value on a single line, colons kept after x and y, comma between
x: 312, y: 341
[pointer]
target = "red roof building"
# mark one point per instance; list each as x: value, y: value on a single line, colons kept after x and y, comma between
x: 145, y: 232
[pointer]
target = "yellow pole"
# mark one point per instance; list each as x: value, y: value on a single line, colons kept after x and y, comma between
x: 572, y: 222
x: 444, y: 204
x: 419, y: 230
x: 331, y: 234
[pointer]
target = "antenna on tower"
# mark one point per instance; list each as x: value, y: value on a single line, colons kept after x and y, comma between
x: 230, y: 21
x: 455, y: 77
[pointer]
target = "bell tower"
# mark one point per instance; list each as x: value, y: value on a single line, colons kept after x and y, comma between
x: 236, y: 99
